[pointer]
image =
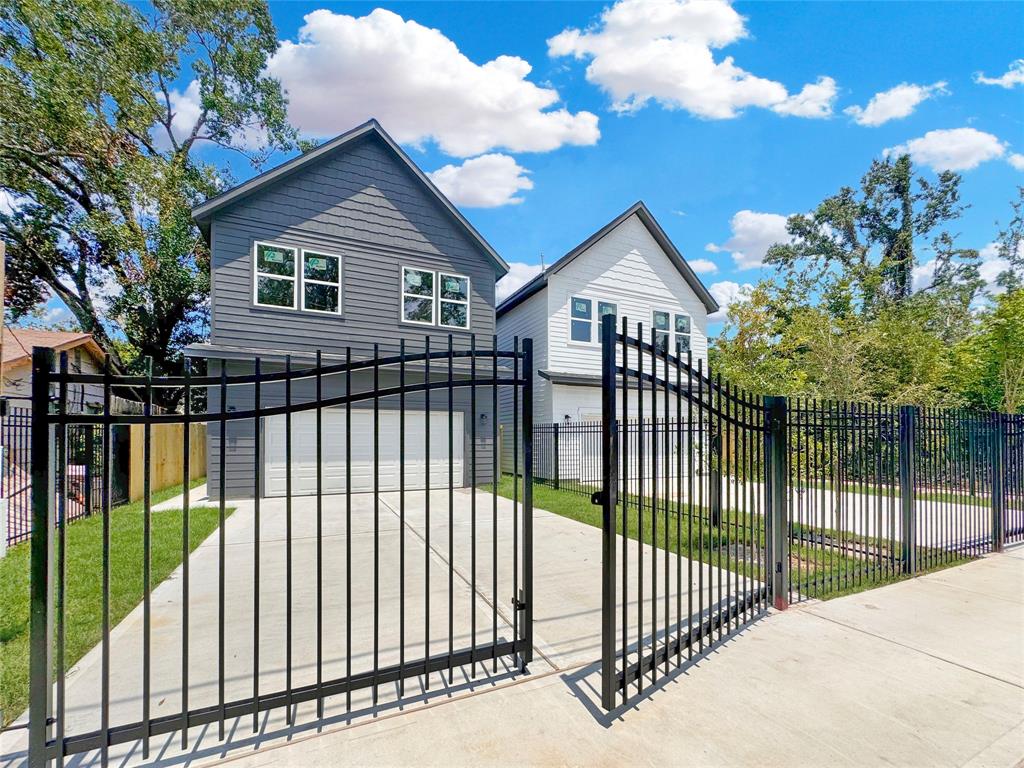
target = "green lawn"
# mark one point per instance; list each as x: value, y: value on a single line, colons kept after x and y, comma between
x: 84, y: 572
x: 819, y: 571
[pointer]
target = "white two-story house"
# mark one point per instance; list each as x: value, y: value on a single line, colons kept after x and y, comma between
x: 628, y: 268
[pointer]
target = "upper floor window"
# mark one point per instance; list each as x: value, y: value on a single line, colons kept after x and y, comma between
x: 280, y: 282
x: 671, y: 332
x: 584, y: 314
x: 682, y: 328
x: 417, y: 296
x: 454, y: 296
x: 321, y: 282
x: 275, y: 276
x: 430, y: 298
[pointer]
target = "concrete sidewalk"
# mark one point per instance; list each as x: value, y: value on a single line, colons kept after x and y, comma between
x: 927, y: 672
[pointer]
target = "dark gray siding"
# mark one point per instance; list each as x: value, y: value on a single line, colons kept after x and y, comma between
x: 365, y: 205
x: 239, y: 455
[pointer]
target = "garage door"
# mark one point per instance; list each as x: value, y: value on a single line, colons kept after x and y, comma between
x: 333, y: 447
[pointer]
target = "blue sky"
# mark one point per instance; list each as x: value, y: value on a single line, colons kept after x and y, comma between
x: 579, y: 109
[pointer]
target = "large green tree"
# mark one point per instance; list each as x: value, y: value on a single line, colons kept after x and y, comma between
x: 842, y: 317
x: 104, y: 110
x: 857, y: 250
x: 989, y: 364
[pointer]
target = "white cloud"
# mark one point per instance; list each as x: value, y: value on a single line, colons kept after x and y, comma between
x: 753, y: 234
x: 702, y: 266
x: 727, y: 293
x: 346, y: 69
x: 815, y: 100
x: 956, y: 149
x: 1016, y: 160
x: 896, y: 103
x: 662, y: 50
x: 486, y: 181
x: 55, y: 315
x: 186, y: 107
x: 990, y: 265
x: 519, y: 274
x: 1014, y: 76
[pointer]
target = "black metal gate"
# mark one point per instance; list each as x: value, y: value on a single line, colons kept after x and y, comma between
x: 487, y: 555
x: 84, y: 493
x: 687, y: 547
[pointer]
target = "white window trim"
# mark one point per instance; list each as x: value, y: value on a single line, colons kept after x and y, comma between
x: 256, y: 274
x: 437, y: 291
x: 676, y: 334
x: 672, y: 333
x: 402, y: 294
x: 595, y: 334
x: 302, y: 272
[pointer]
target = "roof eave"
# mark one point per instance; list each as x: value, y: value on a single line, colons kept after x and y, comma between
x: 536, y: 284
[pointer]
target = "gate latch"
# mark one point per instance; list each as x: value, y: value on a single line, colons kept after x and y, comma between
x: 597, y: 498
x: 519, y: 603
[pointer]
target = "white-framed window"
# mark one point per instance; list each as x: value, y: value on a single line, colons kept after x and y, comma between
x: 434, y: 298
x: 682, y: 332
x: 671, y: 332
x: 418, y: 302
x: 453, y: 298
x: 274, y: 275
x: 321, y: 282
x: 584, y: 317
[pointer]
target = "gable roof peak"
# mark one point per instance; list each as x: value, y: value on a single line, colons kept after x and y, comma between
x: 204, y: 212
x: 643, y: 213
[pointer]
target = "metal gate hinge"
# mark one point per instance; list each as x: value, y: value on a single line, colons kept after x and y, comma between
x: 597, y: 498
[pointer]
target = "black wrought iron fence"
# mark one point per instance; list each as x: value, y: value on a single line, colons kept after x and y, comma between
x: 799, y: 498
x: 567, y: 455
x: 82, y: 487
x: 878, y: 492
x: 15, y: 479
x: 362, y: 591
x: 685, y: 558
x: 1010, y: 494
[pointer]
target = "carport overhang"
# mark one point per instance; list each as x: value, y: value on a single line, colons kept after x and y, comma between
x: 571, y: 379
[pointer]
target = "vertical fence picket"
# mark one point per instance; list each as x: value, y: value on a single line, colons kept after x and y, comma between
x: 186, y: 477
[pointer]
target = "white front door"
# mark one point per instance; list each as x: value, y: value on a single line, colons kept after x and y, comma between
x: 333, y: 451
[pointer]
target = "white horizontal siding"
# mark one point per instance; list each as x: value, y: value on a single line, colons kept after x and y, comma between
x: 528, y: 320
x: 584, y: 403
x: 629, y: 268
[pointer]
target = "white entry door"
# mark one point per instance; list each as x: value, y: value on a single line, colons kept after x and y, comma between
x: 333, y: 451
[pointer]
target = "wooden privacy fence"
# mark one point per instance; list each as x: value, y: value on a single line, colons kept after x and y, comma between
x: 165, y: 457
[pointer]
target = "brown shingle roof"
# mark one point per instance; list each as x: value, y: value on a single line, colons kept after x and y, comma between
x: 18, y: 343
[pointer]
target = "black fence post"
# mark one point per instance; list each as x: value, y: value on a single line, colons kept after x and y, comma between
x: 527, y: 654
x: 42, y: 527
x: 908, y: 519
x: 776, y: 477
x: 998, y: 498
x: 609, y: 502
x: 555, y: 433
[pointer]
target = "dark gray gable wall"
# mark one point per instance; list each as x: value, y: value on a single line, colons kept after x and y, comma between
x: 364, y: 204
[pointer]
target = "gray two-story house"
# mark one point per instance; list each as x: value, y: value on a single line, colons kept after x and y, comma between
x: 348, y: 249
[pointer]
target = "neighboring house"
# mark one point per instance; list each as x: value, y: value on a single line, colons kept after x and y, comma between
x: 84, y: 356
x: 628, y: 268
x: 343, y: 248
